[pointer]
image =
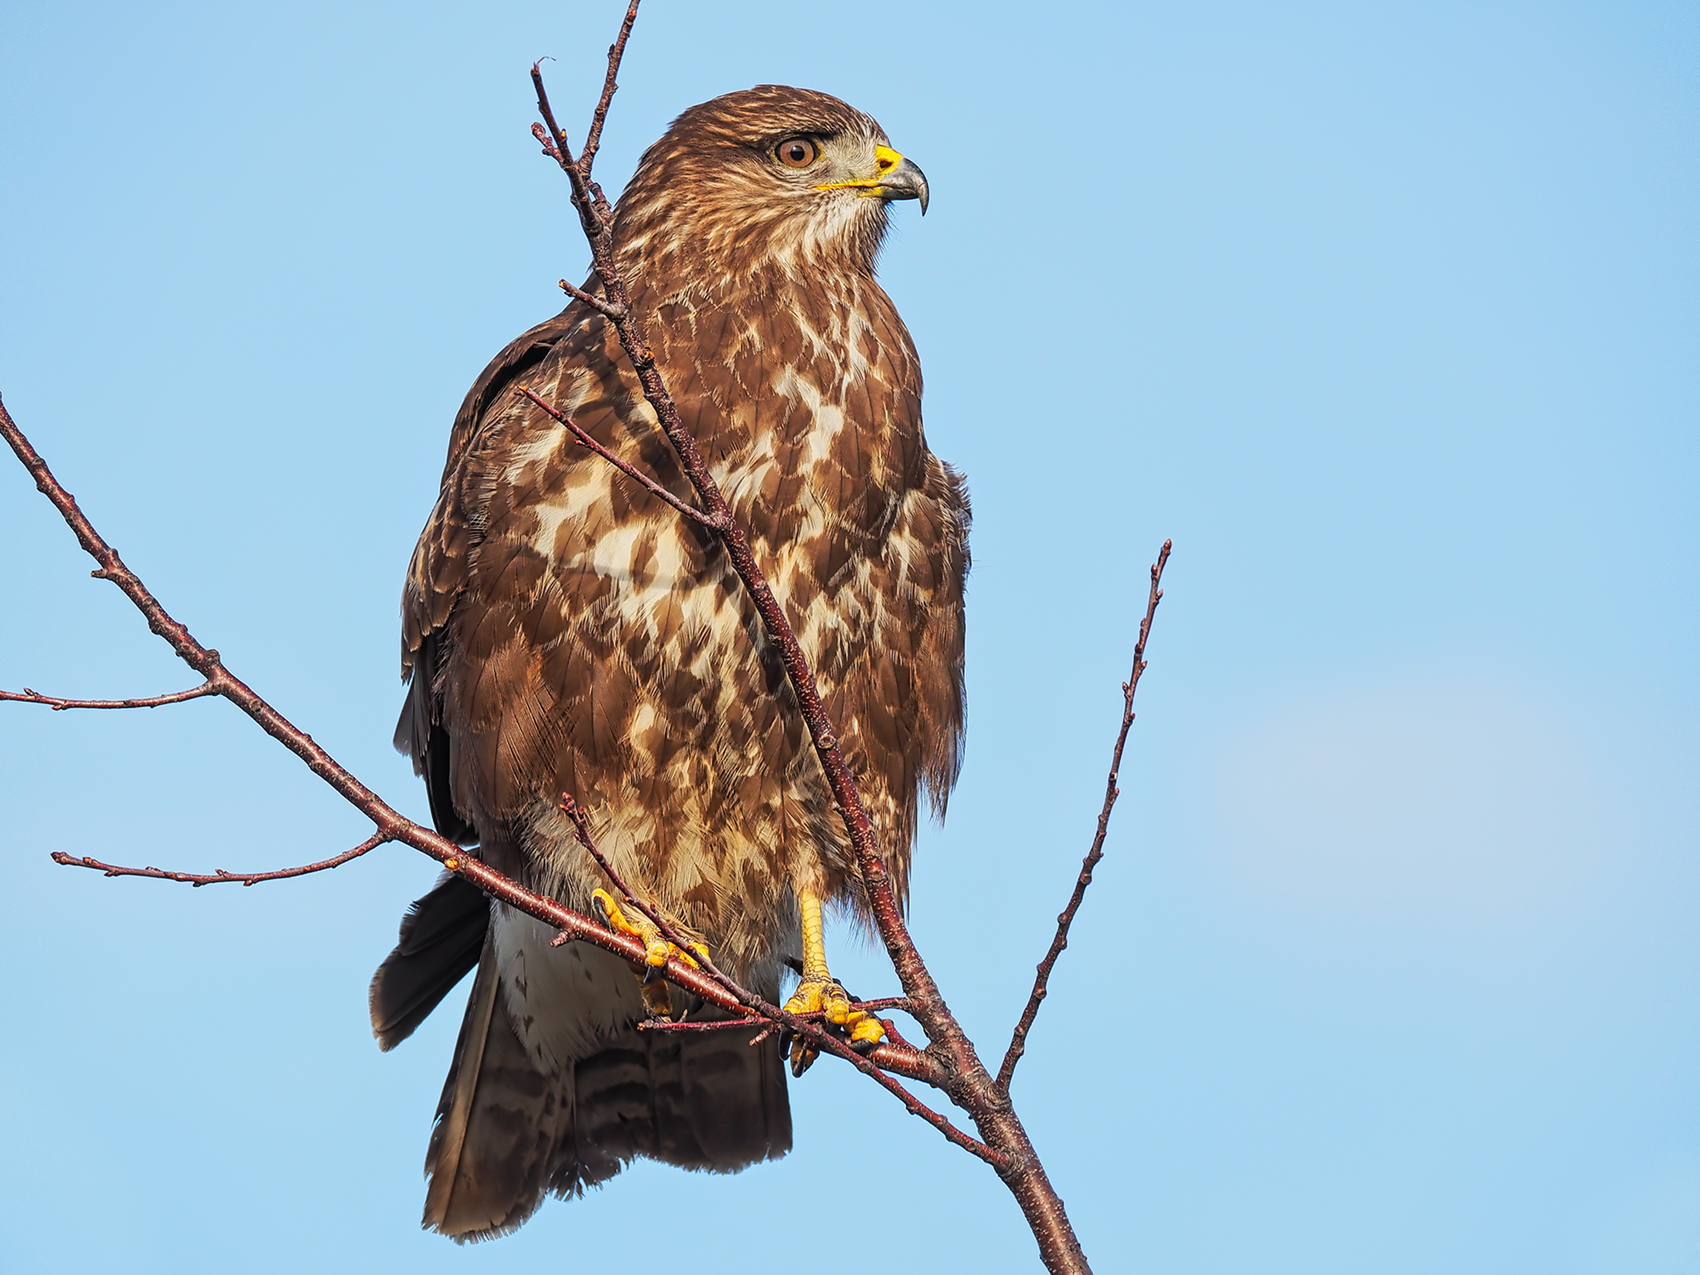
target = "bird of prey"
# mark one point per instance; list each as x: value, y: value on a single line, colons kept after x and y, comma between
x: 564, y: 631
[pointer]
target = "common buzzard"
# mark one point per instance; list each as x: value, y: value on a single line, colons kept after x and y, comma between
x: 565, y: 631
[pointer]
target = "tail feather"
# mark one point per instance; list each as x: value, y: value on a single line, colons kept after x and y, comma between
x: 497, y: 1123
x: 553, y: 1089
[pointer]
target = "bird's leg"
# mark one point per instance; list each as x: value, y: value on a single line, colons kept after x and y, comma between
x: 819, y: 991
x: 655, y: 954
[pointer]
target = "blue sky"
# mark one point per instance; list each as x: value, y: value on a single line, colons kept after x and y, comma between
x: 1388, y: 316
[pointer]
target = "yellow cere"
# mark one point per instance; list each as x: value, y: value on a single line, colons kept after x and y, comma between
x: 885, y: 157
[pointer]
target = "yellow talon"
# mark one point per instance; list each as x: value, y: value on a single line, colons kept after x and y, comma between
x: 868, y: 1031
x: 616, y: 918
x: 656, y: 950
x: 820, y: 992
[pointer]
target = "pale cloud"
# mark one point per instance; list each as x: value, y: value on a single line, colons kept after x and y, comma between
x: 1458, y: 802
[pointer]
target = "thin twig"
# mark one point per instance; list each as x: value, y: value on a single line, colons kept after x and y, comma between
x: 218, y: 876
x: 550, y: 148
x: 27, y: 696
x: 1018, y: 1042
x: 561, y: 151
x: 631, y: 471
x: 581, y: 829
x: 812, y: 1016
x: 891, y: 1032
x: 616, y: 51
x: 663, y: 1025
x: 884, y: 1002
x: 591, y: 299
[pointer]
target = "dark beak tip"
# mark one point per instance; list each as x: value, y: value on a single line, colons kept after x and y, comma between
x: 908, y: 182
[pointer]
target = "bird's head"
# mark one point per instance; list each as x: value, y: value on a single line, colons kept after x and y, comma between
x: 787, y: 175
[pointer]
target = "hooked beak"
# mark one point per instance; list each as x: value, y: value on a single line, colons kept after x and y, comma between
x: 903, y: 179
x: 898, y: 178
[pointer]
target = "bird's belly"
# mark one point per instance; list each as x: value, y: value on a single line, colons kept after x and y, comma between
x: 566, y: 1002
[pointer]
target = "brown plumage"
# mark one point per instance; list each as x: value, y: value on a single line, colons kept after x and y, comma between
x: 567, y: 632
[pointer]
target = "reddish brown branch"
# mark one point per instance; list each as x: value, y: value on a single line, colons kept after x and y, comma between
x: 1018, y: 1042
x: 27, y: 696
x: 581, y: 829
x: 951, y: 1060
x: 550, y: 149
x: 663, y: 1025
x: 891, y: 1032
x: 561, y: 151
x: 218, y: 876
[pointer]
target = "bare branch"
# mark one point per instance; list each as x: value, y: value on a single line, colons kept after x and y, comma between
x: 714, y: 1025
x: 549, y: 147
x: 1018, y: 1042
x: 581, y: 829
x: 27, y: 696
x: 392, y: 826
x: 218, y: 876
x: 950, y: 1061
x: 964, y: 1075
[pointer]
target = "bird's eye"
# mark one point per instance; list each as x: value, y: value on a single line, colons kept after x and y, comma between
x: 798, y: 152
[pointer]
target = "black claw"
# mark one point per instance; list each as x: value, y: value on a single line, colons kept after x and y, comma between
x: 650, y: 974
x: 864, y: 1047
